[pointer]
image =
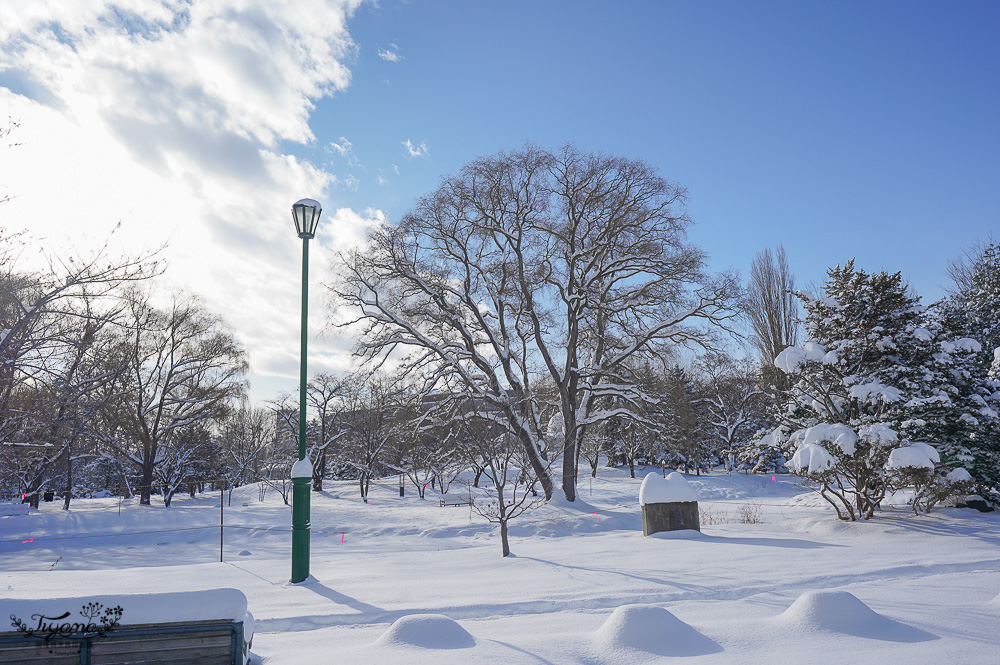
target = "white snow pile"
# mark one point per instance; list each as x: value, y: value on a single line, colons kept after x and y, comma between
x: 811, y: 458
x: 917, y: 455
x: 958, y: 475
x: 965, y: 344
x: 671, y: 489
x: 166, y: 607
x: 878, y: 433
x: 789, y: 360
x: 652, y: 629
x: 302, y: 468
x: 842, y: 612
x: 875, y: 392
x: 428, y: 631
x: 839, y: 435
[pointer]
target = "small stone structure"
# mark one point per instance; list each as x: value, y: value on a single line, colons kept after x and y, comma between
x: 668, y: 504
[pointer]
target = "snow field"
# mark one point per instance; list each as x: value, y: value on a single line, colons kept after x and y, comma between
x: 412, y: 582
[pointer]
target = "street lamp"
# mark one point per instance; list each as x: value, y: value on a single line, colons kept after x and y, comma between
x: 306, y: 215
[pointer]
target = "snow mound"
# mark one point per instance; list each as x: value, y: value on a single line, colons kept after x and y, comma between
x: 652, y: 629
x: 429, y: 631
x: 995, y: 602
x: 673, y: 488
x: 842, y: 612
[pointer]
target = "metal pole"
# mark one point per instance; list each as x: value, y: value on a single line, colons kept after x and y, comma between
x: 222, y: 510
x: 300, y: 486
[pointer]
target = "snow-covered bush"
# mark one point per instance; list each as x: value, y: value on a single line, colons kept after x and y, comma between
x: 918, y: 466
x: 877, y: 372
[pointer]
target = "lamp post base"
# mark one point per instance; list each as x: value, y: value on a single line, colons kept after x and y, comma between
x: 300, y: 529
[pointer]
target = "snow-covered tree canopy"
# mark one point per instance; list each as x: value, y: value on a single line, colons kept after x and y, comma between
x: 878, y: 371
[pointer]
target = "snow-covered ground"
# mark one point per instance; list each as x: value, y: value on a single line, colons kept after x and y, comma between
x: 401, y: 580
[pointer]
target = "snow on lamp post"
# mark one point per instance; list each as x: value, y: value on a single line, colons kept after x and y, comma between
x: 306, y: 214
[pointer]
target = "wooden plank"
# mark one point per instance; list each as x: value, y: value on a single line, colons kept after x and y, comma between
x: 201, y: 656
x: 160, y: 641
x: 40, y: 653
x: 211, y: 644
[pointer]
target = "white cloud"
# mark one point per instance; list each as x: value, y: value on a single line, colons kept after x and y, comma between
x: 170, y: 116
x: 390, y: 54
x: 345, y: 149
x: 380, y: 178
x: 351, y: 182
x: 395, y: 168
x: 413, y: 151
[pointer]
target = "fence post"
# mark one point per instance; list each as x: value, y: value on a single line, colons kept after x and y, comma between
x: 222, y: 509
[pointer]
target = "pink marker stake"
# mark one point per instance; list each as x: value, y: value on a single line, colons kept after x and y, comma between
x: 774, y: 479
x: 341, y: 536
x: 597, y: 517
x: 29, y: 540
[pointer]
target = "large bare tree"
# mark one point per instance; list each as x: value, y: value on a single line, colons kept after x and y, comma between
x: 562, y: 264
x: 183, y: 367
x: 772, y: 311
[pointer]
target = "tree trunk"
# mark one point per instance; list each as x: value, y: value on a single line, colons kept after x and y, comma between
x: 503, y: 537
x: 191, y: 489
x: 569, y: 475
x: 146, y: 485
x: 69, y: 478
x: 319, y: 470
x: 570, y: 443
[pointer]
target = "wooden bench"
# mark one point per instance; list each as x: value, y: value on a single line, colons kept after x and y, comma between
x: 192, y: 642
x: 442, y: 502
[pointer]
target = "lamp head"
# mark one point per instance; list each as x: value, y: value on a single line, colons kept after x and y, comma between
x: 306, y: 214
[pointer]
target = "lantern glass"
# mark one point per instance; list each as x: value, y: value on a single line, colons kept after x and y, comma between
x: 305, y: 214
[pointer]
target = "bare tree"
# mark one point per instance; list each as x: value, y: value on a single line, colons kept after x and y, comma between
x: 372, y: 417
x: 772, y: 310
x: 510, y: 481
x: 5, y: 133
x: 564, y: 265
x: 183, y: 368
x: 962, y: 269
x: 324, y: 394
x: 34, y: 307
x: 245, y: 436
x: 732, y: 401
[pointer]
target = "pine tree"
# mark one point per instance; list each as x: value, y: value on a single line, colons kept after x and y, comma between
x: 878, y: 372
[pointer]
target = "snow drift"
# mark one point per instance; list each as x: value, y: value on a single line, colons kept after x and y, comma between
x: 652, y: 629
x: 429, y: 631
x: 842, y: 612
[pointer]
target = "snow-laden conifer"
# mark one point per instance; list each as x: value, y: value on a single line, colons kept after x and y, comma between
x: 876, y: 373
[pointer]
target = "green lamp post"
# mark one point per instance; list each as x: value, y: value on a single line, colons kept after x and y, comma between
x: 306, y: 215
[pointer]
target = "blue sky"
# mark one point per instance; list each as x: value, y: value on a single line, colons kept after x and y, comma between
x: 840, y: 129
x: 837, y: 128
